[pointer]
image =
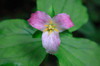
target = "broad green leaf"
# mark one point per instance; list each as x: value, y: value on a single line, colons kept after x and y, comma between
x: 78, y: 52
x: 44, y: 5
x: 17, y: 44
x: 74, y: 8
x: 66, y: 32
x: 37, y: 34
x: 10, y: 64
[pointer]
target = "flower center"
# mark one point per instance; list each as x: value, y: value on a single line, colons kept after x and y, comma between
x: 50, y: 27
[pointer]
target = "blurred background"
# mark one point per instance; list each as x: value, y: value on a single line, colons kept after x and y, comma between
x: 10, y: 9
x: 21, y: 9
x: 91, y: 30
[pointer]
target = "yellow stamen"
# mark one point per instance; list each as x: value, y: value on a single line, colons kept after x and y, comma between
x: 50, y: 22
x: 50, y: 32
x: 50, y: 27
x: 46, y: 25
x: 56, y: 30
x: 45, y: 30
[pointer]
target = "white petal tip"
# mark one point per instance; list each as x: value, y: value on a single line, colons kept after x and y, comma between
x: 51, y: 51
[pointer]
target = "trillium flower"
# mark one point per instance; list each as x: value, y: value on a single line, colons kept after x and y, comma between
x: 51, y: 28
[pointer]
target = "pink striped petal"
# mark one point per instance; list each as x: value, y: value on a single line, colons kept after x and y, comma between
x: 63, y: 21
x: 51, y: 42
x: 38, y: 20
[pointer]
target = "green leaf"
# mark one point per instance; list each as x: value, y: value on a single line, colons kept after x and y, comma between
x: 10, y: 64
x: 17, y: 44
x: 37, y: 34
x: 74, y: 8
x: 66, y: 32
x: 78, y: 52
x: 44, y: 5
x: 51, y: 11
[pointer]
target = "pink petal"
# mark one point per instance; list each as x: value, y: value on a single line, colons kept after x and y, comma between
x: 63, y: 21
x: 51, y: 42
x: 38, y: 20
